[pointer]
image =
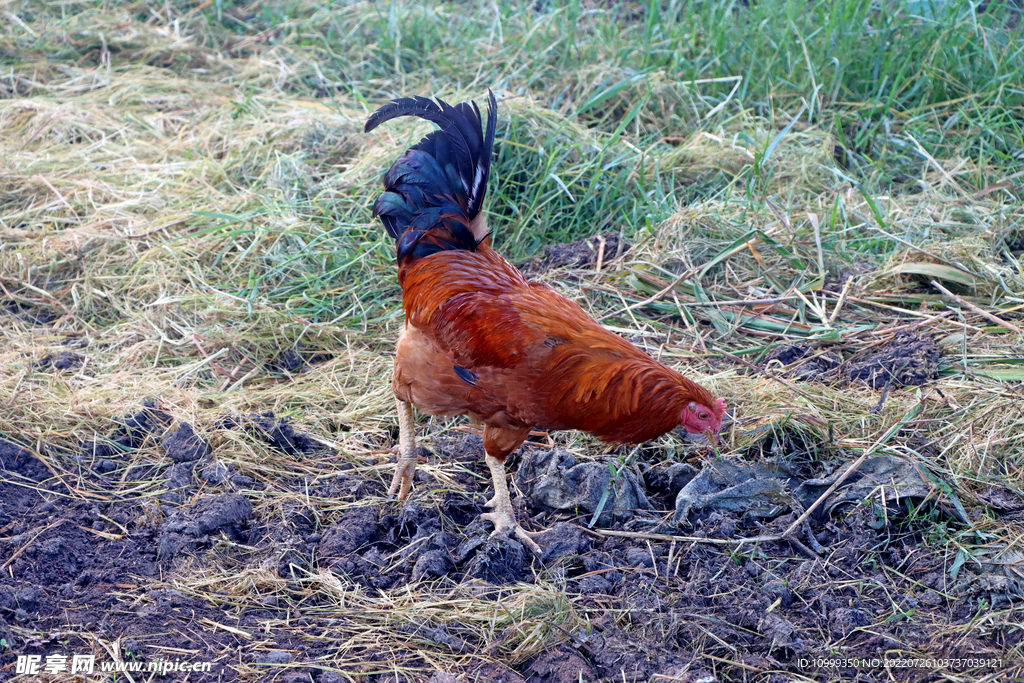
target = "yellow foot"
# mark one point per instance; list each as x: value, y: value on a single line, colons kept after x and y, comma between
x: 402, y: 481
x: 505, y: 522
x: 406, y: 469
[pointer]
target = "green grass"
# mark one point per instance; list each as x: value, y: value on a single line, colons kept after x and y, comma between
x: 872, y: 73
x: 872, y: 77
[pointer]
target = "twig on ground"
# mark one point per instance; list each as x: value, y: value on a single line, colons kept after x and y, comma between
x: 851, y: 469
x: 29, y: 543
x: 983, y: 313
x: 694, y: 539
x: 842, y: 299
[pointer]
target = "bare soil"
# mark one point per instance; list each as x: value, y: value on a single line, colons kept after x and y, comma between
x: 908, y: 360
x: 686, y: 610
x: 579, y: 254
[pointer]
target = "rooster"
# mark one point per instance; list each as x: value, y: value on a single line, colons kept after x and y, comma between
x: 483, y: 341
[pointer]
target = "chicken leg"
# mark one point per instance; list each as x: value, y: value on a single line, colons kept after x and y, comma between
x: 503, y: 518
x: 406, y: 469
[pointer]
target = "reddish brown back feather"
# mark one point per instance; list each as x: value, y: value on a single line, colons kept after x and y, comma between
x: 561, y: 370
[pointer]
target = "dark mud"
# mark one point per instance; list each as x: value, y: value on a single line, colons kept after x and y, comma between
x: 907, y: 360
x: 33, y: 315
x: 646, y: 609
x: 804, y: 362
x: 86, y: 566
x: 278, y: 434
x: 297, y: 358
x: 579, y: 254
x: 65, y: 360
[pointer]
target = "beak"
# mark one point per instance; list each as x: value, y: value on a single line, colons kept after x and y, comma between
x: 711, y: 436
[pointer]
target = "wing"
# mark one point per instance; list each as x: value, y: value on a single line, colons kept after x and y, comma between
x: 481, y: 330
x: 505, y: 330
x: 534, y: 352
x: 554, y: 367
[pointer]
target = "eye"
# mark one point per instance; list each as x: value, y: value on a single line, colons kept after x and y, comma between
x: 703, y: 416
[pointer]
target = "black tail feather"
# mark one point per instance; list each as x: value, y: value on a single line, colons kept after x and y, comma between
x: 435, y: 190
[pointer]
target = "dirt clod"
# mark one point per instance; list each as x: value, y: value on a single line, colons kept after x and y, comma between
x: 104, y: 466
x: 552, y: 479
x: 179, y: 479
x: 778, y: 589
x: 65, y: 360
x: 622, y: 658
x: 777, y: 628
x: 12, y: 456
x: 354, y: 529
x: 228, y: 513
x: 560, y: 665
x: 757, y: 488
x: 278, y: 434
x: 289, y: 361
x: 185, y: 445
x: 805, y: 362
x: 579, y: 254
x: 215, y: 472
x: 908, y: 360
x: 133, y: 432
x: 276, y: 657
x: 431, y: 563
x: 664, y: 483
x: 500, y: 560
x: 563, y: 540
x: 138, y: 428
x: 844, y: 620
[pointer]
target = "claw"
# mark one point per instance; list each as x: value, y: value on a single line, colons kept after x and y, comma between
x: 503, y: 518
x: 402, y: 482
x: 505, y: 524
